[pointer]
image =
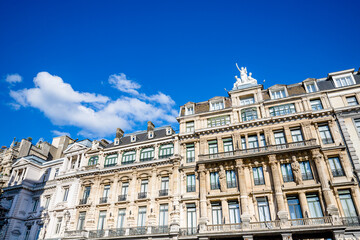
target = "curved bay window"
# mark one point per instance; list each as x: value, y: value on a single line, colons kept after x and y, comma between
x: 249, y: 114
x: 128, y: 157
x: 166, y: 150
x: 147, y: 154
x: 93, y: 160
x: 110, y: 160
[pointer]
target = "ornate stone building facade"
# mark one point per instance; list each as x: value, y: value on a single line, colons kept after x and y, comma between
x: 276, y: 163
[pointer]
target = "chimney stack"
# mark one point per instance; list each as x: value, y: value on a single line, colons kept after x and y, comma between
x: 150, y: 126
x: 119, y: 133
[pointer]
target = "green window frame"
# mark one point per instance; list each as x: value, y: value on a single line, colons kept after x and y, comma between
x: 190, y: 153
x: 93, y: 160
x: 228, y: 145
x: 166, y: 150
x: 128, y: 157
x: 147, y: 154
x: 110, y: 160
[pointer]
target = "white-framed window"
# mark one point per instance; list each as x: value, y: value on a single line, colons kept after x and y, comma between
x: 296, y: 135
x: 81, y: 221
x: 316, y: 104
x: 234, y: 212
x: 166, y: 150
x: 190, y: 183
x: 325, y: 134
x: 190, y: 127
x: 191, y: 218
x: 258, y: 175
x: 247, y: 100
x: 282, y: 110
x: 217, y: 105
x: 190, y: 153
x: 121, y: 218
x: 163, y: 218
x: 101, y: 222
x: 58, y: 225
x: 286, y: 172
x: 142, y: 216
x: 335, y: 166
x: 218, y: 121
x: 214, y: 180
x: 352, y: 101
x: 216, y: 213
x: 314, y: 206
x: 311, y: 87
x: 66, y: 194
x: 306, y: 172
x: 347, y: 204
x: 263, y: 208
x: 343, y: 80
x: 228, y: 145
x: 230, y: 179
x: 189, y: 110
x: 277, y: 94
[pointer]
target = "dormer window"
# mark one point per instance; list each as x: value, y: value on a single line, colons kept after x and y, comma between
x: 217, y: 105
x: 343, y: 80
x: 279, y: 93
x: 311, y: 87
x: 169, y: 131
x: 116, y: 141
x: 133, y: 138
x: 151, y: 134
x: 189, y: 110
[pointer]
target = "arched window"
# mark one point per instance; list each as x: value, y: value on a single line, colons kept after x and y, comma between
x: 93, y: 160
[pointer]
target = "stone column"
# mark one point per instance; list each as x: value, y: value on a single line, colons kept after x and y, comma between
x: 328, y: 195
x: 77, y: 161
x: 282, y: 213
x: 202, y: 188
x: 225, y: 211
x: 304, y: 204
x: 245, y: 216
x: 175, y: 211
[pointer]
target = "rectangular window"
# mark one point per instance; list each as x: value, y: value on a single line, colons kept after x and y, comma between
x: 305, y: 168
x: 165, y: 183
x: 93, y: 160
x: 56, y: 172
x: 279, y: 137
x: 262, y: 140
x: 147, y: 154
x: 190, y: 127
x: 325, y: 134
x: 352, y: 101
x: 35, y: 205
x: 81, y: 221
x: 190, y: 153
x: 128, y: 157
x: 121, y: 218
x: 258, y: 176
x: 125, y: 188
x: 282, y: 110
x: 234, y: 212
x: 142, y: 217
x: 344, y: 81
x: 217, y: 105
x: 189, y: 110
x: 101, y: 222
x: 190, y: 183
x: 228, y: 145
x: 253, y: 141
x: 166, y: 150
x: 278, y: 94
x: 163, y: 218
x: 231, y: 179
x: 66, y: 194
x: 249, y: 114
x: 47, y: 201
x: 263, y: 208
x: 191, y: 219
x: 316, y: 104
x: 347, y: 203
x: 310, y: 87
x: 357, y: 125
x: 287, y: 172
x: 243, y: 143
x: 213, y: 147
x: 247, y: 100
x: 110, y: 160
x: 294, y: 207
x: 104, y: 198
x: 314, y: 206
x: 216, y: 213
x: 214, y: 180
x: 144, y: 186
x: 335, y: 166
x: 218, y: 121
x: 58, y: 225
x: 296, y: 135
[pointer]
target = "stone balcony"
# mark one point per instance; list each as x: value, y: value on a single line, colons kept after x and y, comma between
x: 266, y: 150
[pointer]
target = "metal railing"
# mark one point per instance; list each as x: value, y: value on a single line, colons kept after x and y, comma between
x: 311, y: 221
x: 160, y: 229
x: 214, y: 186
x: 351, y: 221
x: 265, y: 225
x: 96, y: 233
x: 146, y: 159
x: 103, y: 200
x: 190, y: 188
x: 231, y: 184
x: 165, y: 156
x: 288, y: 178
x: 265, y: 150
x: 164, y: 192
x: 337, y: 172
x: 83, y: 201
x: 188, y: 231
x: 142, y: 195
x: 327, y: 140
x: 224, y: 227
x: 110, y: 165
x: 138, y: 230
x: 121, y: 198
x: 259, y: 181
x: 190, y: 159
x: 116, y: 232
x: 75, y: 233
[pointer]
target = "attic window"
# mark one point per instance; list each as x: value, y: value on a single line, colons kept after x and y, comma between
x: 168, y: 131
x: 117, y: 141
x: 279, y: 93
x: 189, y: 110
x: 133, y: 138
x: 217, y: 105
x: 344, y: 80
x: 311, y: 87
x: 151, y: 134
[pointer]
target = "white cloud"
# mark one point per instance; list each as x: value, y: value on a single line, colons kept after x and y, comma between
x: 96, y: 115
x: 13, y: 78
x: 60, y: 133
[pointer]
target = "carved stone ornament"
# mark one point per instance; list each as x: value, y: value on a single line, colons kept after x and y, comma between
x: 244, y: 78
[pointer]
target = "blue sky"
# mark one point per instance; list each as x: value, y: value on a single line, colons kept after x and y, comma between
x: 87, y: 67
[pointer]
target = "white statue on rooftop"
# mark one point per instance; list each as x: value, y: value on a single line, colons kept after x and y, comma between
x: 244, y: 78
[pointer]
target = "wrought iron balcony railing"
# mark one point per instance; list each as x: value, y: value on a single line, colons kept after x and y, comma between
x: 260, y: 150
x: 165, y: 156
x: 116, y: 232
x: 164, y: 192
x: 259, y: 181
x: 337, y: 172
x: 83, y: 201
x: 288, y: 178
x: 160, y: 229
x: 214, y: 186
x: 96, y: 233
x: 307, y: 176
x: 103, y: 200
x: 76, y: 233
x: 121, y: 198
x: 189, y: 231
x: 142, y: 195
x: 138, y: 230
x: 146, y: 159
